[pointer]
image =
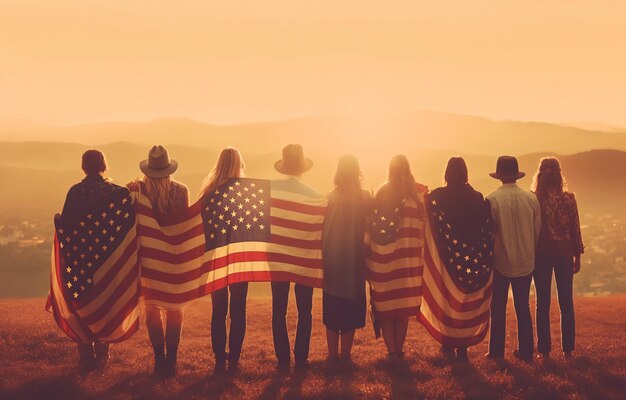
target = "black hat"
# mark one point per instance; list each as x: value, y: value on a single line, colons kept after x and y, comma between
x: 507, y: 169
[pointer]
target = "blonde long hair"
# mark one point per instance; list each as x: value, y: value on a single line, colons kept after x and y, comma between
x: 229, y: 165
x: 159, y: 191
x: 401, y: 178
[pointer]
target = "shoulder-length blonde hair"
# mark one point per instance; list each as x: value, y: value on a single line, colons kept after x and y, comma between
x: 401, y: 179
x: 548, y: 177
x: 160, y: 193
x: 229, y: 165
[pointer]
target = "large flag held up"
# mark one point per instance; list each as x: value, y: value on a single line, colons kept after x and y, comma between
x: 94, y: 277
x: 249, y: 230
x: 245, y: 231
x: 396, y: 258
x: 457, y: 280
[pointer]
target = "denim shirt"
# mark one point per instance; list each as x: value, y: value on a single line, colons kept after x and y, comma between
x: 517, y: 218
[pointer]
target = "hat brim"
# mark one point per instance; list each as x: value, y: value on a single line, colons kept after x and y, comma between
x: 281, y: 167
x: 515, y: 177
x: 158, y: 173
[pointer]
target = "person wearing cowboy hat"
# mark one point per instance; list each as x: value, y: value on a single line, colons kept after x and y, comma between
x: 293, y: 165
x: 517, y: 221
x: 167, y: 196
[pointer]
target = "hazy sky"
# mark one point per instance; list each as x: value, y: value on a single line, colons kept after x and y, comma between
x: 74, y: 61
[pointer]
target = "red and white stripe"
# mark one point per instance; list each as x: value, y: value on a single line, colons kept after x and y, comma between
x: 109, y: 311
x: 395, y: 269
x: 452, y: 317
x: 176, y: 268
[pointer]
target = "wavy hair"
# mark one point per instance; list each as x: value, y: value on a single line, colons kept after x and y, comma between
x: 401, y: 178
x: 229, y: 165
x: 548, y: 177
x: 160, y: 193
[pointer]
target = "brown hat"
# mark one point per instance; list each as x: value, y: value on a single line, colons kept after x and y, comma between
x: 507, y: 169
x: 158, y: 164
x: 293, y: 162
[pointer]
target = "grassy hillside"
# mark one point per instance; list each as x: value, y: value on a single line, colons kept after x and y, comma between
x: 38, y: 362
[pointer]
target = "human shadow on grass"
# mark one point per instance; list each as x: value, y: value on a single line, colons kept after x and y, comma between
x: 272, y: 388
x: 529, y: 377
x: 473, y: 384
x: 404, y: 382
x: 343, y: 372
x: 62, y: 386
x: 593, y: 379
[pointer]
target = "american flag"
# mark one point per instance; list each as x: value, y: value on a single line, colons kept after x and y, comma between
x: 457, y: 281
x: 396, y: 259
x: 94, y: 285
x: 242, y: 232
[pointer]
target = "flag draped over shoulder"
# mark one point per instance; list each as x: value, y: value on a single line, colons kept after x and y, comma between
x: 245, y: 231
x: 94, y: 277
x: 457, y: 281
x: 396, y: 259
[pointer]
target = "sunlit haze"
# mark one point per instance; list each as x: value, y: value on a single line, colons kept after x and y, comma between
x: 68, y: 62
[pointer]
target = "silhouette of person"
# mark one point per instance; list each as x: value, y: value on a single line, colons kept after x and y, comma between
x: 467, y: 213
x: 79, y: 200
x: 517, y: 221
x: 343, y: 256
x: 559, y: 250
x: 167, y: 196
x: 293, y: 165
x: 229, y: 165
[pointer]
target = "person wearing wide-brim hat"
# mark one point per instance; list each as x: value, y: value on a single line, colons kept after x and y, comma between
x: 293, y: 165
x: 517, y: 218
x: 167, y: 196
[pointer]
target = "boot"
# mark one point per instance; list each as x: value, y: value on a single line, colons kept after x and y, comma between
x: 102, y: 355
x: 86, y: 359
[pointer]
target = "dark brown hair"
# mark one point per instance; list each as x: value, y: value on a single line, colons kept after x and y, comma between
x: 456, y: 171
x: 348, y: 172
x: 548, y: 177
x: 93, y: 162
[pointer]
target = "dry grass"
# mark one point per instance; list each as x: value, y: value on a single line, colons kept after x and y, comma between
x: 37, y: 361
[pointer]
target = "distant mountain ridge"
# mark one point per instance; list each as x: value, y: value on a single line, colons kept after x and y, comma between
x: 420, y: 130
x: 37, y: 175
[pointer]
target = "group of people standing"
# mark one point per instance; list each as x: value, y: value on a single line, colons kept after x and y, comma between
x: 536, y: 233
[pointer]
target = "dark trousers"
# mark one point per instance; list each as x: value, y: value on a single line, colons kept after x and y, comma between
x: 564, y: 275
x: 238, y: 296
x: 304, y: 302
x: 169, y: 336
x: 521, y: 293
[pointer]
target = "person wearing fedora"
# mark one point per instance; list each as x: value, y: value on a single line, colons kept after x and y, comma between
x: 167, y: 196
x: 292, y: 165
x: 517, y: 222
x: 79, y: 200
